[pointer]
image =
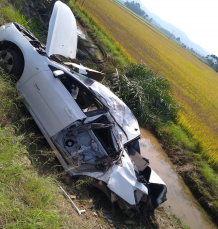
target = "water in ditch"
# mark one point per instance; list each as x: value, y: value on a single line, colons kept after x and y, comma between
x: 180, y: 200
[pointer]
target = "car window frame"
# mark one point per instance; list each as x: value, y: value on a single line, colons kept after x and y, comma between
x: 102, y: 109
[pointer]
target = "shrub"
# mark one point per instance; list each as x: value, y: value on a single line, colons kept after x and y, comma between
x: 147, y: 94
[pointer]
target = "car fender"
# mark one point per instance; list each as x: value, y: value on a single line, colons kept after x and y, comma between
x: 33, y: 62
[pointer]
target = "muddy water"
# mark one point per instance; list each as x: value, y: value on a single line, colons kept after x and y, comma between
x: 179, y: 198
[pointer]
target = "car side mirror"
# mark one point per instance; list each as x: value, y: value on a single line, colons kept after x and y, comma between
x: 58, y: 73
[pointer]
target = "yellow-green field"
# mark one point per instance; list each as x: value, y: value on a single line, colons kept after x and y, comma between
x: 195, y: 84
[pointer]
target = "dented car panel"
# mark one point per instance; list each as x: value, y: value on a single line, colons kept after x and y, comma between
x: 91, y: 130
x: 124, y: 178
x: 126, y: 123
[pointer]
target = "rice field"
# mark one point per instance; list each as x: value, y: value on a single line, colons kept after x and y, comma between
x: 195, y: 84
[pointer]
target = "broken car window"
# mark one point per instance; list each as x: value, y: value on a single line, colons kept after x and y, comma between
x: 83, y: 98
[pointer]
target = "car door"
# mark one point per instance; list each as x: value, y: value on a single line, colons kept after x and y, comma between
x: 52, y: 104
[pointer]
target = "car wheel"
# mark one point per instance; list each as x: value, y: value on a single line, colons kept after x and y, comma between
x: 13, y: 62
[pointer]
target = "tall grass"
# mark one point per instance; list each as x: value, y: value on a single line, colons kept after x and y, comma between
x: 8, y: 14
x: 27, y: 200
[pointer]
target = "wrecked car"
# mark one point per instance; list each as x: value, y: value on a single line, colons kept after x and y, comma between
x: 91, y: 131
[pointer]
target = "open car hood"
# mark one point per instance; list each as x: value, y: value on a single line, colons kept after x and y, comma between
x: 62, y: 32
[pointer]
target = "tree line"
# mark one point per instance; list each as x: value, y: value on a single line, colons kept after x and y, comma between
x: 212, y: 61
x: 135, y: 7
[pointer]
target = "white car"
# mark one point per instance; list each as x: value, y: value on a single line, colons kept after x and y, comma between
x: 91, y: 130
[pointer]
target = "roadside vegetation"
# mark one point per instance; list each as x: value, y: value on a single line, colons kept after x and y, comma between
x: 27, y: 200
x: 147, y: 94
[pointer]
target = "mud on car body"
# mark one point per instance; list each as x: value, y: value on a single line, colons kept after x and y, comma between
x: 91, y: 131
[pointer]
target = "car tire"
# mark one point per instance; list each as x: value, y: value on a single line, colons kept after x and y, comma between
x: 13, y: 62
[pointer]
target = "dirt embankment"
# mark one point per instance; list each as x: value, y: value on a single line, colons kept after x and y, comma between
x: 189, y: 172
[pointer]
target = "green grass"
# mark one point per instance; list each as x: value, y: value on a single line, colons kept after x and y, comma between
x: 8, y: 14
x: 179, y: 138
x: 208, y: 172
x: 27, y: 200
x: 24, y: 200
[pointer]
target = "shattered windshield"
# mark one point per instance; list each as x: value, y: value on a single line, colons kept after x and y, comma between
x: 86, y: 80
